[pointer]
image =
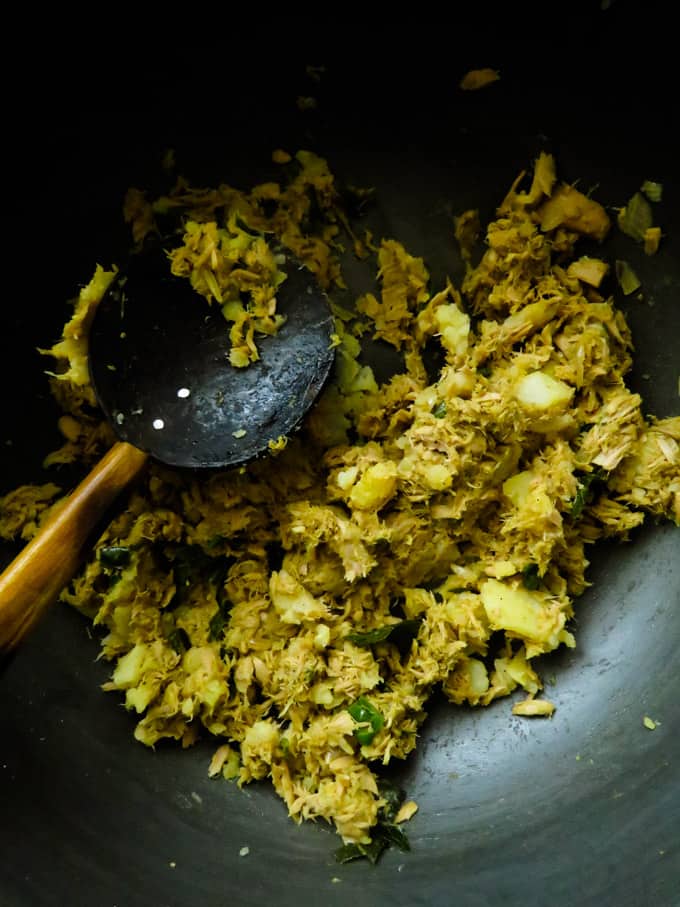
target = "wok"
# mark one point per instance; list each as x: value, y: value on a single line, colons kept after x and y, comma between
x: 581, y: 809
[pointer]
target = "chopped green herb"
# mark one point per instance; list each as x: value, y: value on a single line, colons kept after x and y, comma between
x: 395, y: 837
x: 530, y: 577
x: 179, y: 640
x: 636, y: 217
x: 384, y: 836
x: 439, y: 411
x: 393, y: 796
x: 627, y: 278
x: 653, y: 191
x: 579, y: 501
x: 191, y: 565
x: 365, y: 714
x: 115, y: 556
x: 584, y: 491
x: 401, y: 633
x: 217, y: 624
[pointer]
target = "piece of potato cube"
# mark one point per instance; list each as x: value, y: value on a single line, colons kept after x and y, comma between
x: 375, y: 487
x: 540, y: 391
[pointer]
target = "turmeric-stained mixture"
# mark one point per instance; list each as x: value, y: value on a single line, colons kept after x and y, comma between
x: 414, y: 535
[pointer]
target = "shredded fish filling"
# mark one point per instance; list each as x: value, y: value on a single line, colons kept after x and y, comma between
x: 303, y: 610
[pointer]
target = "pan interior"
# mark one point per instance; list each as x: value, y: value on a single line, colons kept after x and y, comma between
x: 585, y: 805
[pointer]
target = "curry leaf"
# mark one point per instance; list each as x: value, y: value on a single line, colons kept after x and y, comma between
x: 384, y: 836
x: 402, y: 632
x: 530, y: 577
x: 217, y: 624
x: 179, y: 640
x: 115, y: 556
x: 393, y: 796
x: 584, y: 491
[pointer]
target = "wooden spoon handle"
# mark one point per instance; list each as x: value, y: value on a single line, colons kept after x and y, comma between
x: 38, y: 574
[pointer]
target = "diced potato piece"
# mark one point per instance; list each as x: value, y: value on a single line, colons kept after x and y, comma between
x: 513, y: 609
x: 527, y: 614
x: 525, y: 492
x: 437, y: 476
x: 292, y: 601
x: 375, y: 487
x: 322, y: 636
x: 363, y: 380
x: 541, y: 391
x: 457, y: 382
x: 322, y: 694
x: 454, y: 328
x: 347, y: 477
x: 468, y: 682
x: 517, y: 487
x: 426, y: 399
x: 262, y: 733
x: 211, y: 692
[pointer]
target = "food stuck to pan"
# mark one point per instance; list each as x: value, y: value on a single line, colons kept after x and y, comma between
x: 427, y: 532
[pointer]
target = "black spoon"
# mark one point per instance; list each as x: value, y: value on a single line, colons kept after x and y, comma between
x: 159, y: 363
x: 158, y: 360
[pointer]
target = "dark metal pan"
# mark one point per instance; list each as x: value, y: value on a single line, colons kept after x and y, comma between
x: 582, y: 809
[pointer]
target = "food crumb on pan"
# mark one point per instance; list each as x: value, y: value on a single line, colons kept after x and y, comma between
x: 533, y: 708
x: 479, y: 78
x: 406, y: 812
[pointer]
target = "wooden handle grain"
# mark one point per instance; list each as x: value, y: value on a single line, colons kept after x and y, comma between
x: 33, y: 581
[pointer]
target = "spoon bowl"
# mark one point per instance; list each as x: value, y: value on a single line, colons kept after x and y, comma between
x: 160, y: 368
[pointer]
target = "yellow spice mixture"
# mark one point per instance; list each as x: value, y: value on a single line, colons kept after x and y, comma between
x: 304, y: 613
